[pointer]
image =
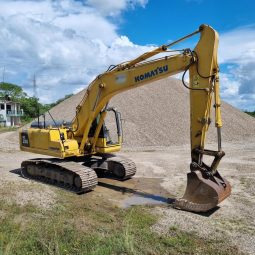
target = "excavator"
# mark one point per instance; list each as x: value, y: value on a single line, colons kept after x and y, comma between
x: 80, y: 150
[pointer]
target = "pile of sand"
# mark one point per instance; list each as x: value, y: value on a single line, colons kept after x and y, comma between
x: 158, y: 115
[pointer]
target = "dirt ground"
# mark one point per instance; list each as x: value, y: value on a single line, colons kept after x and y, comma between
x: 161, y: 174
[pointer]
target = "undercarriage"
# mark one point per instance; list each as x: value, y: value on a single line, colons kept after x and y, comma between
x: 77, y: 174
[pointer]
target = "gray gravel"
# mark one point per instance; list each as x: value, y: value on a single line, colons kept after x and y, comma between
x: 158, y: 115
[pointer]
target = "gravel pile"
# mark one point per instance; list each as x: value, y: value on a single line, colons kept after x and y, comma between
x: 158, y: 115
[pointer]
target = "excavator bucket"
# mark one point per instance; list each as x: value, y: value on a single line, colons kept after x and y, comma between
x: 203, y: 194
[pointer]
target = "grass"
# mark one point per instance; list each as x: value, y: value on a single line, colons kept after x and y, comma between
x: 7, y: 129
x: 90, y: 225
x: 239, y: 225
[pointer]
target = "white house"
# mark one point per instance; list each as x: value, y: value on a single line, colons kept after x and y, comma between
x: 10, y: 113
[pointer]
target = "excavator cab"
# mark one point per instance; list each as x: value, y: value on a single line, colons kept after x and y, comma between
x: 108, y: 142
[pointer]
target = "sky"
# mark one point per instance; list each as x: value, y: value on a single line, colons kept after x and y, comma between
x: 67, y: 43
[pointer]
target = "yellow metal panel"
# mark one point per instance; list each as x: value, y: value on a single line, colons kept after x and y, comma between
x: 101, y: 142
x: 48, y: 142
x: 38, y: 138
x: 109, y: 149
x: 201, y: 100
x: 42, y: 152
x: 103, y: 147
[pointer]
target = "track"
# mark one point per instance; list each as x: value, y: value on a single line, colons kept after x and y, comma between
x: 64, y: 174
x: 121, y: 167
x: 76, y: 176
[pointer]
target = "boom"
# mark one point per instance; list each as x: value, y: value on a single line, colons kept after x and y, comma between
x: 121, y: 79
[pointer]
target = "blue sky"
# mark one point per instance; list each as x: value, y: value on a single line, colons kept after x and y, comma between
x: 66, y: 43
x: 164, y: 19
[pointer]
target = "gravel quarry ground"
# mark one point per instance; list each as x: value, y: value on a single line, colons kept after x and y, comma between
x: 161, y: 174
x: 156, y: 137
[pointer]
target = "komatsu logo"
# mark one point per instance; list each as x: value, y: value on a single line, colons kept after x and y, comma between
x: 155, y: 72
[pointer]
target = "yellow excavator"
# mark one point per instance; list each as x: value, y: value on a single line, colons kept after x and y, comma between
x: 82, y: 148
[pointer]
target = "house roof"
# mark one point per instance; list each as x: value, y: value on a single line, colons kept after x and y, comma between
x: 3, y: 100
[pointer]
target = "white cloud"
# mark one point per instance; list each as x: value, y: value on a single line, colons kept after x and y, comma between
x: 237, y: 51
x: 113, y: 7
x: 66, y: 43
x: 238, y: 45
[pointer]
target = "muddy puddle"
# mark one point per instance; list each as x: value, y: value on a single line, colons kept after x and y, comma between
x: 135, y: 191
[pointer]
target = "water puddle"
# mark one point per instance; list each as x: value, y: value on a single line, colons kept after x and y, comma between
x: 145, y: 200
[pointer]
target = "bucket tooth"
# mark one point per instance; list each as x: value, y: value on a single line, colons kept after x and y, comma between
x: 203, y: 194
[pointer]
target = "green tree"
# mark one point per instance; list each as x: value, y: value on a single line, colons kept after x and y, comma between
x: 30, y: 105
x: 15, y: 92
x: 250, y: 113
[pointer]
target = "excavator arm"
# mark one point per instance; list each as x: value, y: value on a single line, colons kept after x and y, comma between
x: 206, y: 188
x: 204, y: 84
x: 116, y: 81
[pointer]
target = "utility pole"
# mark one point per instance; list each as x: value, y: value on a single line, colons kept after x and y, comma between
x: 3, y: 74
x: 34, y: 86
